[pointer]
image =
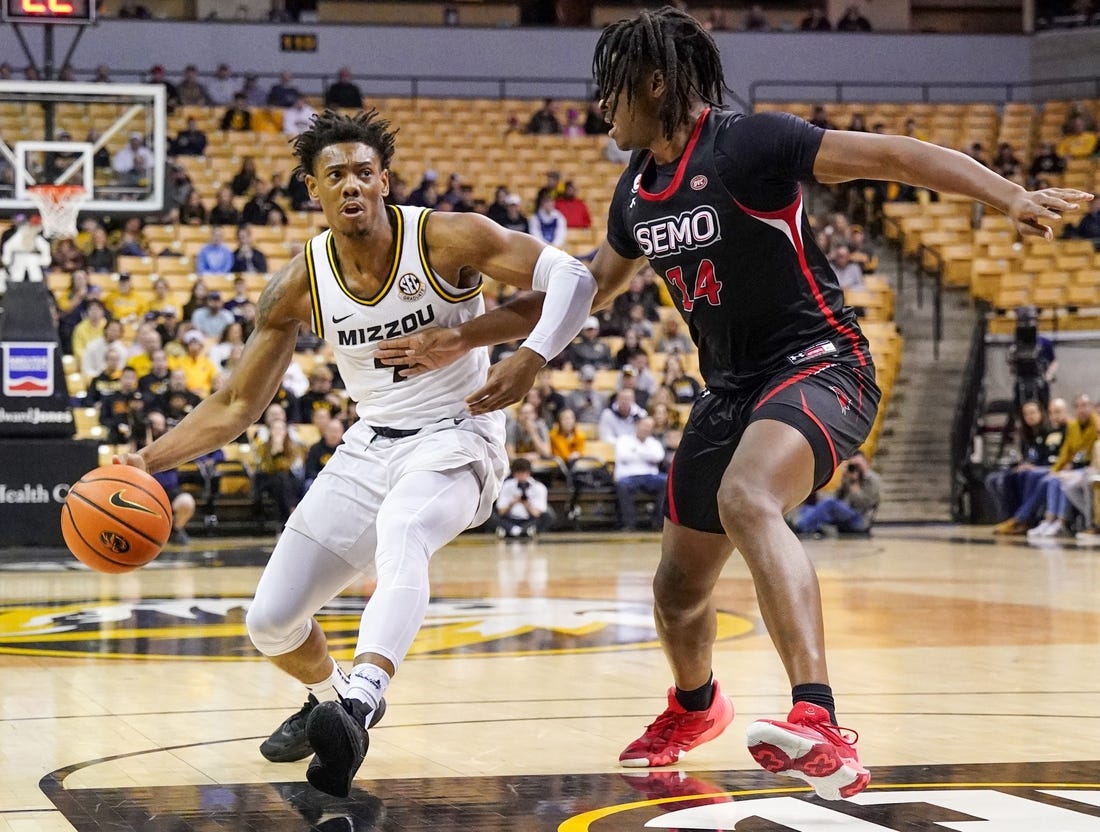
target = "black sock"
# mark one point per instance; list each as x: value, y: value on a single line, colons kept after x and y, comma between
x: 698, y: 699
x: 820, y: 695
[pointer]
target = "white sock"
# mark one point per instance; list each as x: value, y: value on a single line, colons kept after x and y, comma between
x: 368, y: 683
x: 332, y: 688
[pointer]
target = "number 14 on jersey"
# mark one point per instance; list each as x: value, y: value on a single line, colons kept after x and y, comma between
x: 707, y: 286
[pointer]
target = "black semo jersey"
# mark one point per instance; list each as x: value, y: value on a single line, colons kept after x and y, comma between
x: 724, y: 226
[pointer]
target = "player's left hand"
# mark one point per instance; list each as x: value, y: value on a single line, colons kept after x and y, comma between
x: 1030, y: 208
x: 426, y: 350
x: 508, y: 382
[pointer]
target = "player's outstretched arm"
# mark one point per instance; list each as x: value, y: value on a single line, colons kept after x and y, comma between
x: 226, y: 414
x: 847, y: 155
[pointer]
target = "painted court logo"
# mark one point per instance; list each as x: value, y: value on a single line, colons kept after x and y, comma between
x: 28, y: 369
x: 214, y: 628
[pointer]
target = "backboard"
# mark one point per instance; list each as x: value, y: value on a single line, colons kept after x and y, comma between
x: 61, y: 133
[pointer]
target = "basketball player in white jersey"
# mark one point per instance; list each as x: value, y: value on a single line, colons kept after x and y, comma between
x: 416, y: 469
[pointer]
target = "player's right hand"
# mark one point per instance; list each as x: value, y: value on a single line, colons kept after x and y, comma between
x: 136, y: 460
x: 426, y: 350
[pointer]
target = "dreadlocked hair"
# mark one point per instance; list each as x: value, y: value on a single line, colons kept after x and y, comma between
x: 667, y: 40
x: 331, y: 127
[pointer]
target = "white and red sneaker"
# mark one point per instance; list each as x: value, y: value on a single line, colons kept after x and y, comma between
x: 811, y: 748
x: 677, y: 731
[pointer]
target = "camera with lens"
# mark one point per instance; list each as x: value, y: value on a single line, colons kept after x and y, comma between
x: 1026, y: 360
x: 523, y: 486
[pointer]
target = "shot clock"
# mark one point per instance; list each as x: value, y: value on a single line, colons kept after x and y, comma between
x: 48, y: 11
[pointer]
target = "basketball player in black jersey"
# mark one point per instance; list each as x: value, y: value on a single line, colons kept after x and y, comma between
x: 711, y: 199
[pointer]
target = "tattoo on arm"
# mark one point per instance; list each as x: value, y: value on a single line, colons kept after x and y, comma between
x: 271, y: 296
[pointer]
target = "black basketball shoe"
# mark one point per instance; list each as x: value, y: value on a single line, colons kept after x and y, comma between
x: 339, y: 739
x: 289, y: 742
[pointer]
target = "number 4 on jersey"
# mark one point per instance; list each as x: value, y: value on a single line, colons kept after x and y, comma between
x: 706, y: 285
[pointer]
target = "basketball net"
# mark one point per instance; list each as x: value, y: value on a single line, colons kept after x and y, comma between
x: 58, y: 205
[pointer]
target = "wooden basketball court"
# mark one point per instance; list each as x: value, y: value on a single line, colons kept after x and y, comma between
x: 969, y: 666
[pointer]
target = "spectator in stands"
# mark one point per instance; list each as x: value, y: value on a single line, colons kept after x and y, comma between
x: 594, y: 122
x: 1079, y: 142
x: 619, y: 418
x: 90, y: 329
x: 67, y: 257
x: 514, y: 218
x: 588, y: 349
x: 199, y: 291
x: 853, y: 21
x: 860, y: 251
x: 300, y: 200
x: 298, y: 116
x: 852, y: 507
x: 189, y: 142
x: 848, y: 273
x: 528, y: 436
x: 125, y: 304
x: 547, y: 223
x: 93, y: 358
x: 100, y: 257
x: 178, y: 400
x: 638, y: 291
x: 671, y: 338
x: 198, y: 369
x: 224, y: 212
x: 131, y: 240
x: 171, y: 93
x: 976, y: 151
x: 586, y: 401
x: 332, y: 437
x: 279, y: 454
x: 573, y: 208
x: 632, y: 345
x: 523, y: 508
x: 254, y: 96
x: 684, y: 388
x: 147, y: 342
x: 344, y: 94
x: 284, y: 93
x: 247, y: 259
x: 244, y: 178
x: 215, y: 257
x: 1089, y: 226
x: 638, y: 456
x: 193, y: 212
x: 102, y: 75
x: 108, y: 379
x: 222, y: 87
x: 567, y: 441
x: 123, y: 412
x: 1047, y: 162
x: 1075, y: 454
x: 820, y: 118
x: 816, y: 21
x: 544, y: 121
x: 755, y: 20
x: 1040, y: 441
x: 154, y: 384
x: 192, y: 93
x: 857, y: 123
x: 552, y: 402
x: 258, y: 210
x: 572, y: 128
x: 498, y: 208
x: 636, y: 321
x: 637, y: 376
x: 232, y: 336
x: 238, y: 116
x: 426, y: 194
x: 319, y: 396
x: 133, y: 163
x: 1005, y: 162
x: 212, y: 318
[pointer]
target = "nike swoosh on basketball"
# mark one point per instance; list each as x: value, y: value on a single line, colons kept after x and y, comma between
x: 118, y: 500
x: 336, y: 320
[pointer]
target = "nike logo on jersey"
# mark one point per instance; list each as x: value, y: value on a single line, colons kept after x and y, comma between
x: 118, y: 501
x: 336, y: 320
x: 391, y: 329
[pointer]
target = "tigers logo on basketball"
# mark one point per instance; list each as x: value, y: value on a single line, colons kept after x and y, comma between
x: 214, y: 628
x: 115, y: 542
x: 842, y: 398
x: 410, y: 287
x: 698, y: 182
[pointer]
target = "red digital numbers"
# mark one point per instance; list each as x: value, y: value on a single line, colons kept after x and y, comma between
x: 707, y: 286
x: 58, y: 7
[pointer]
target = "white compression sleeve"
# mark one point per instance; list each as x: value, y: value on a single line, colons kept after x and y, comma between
x: 569, y: 288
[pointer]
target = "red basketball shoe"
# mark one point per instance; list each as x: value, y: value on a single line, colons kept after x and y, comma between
x: 811, y: 748
x: 677, y: 731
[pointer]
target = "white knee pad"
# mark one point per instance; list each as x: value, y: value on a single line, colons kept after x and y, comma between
x: 273, y: 634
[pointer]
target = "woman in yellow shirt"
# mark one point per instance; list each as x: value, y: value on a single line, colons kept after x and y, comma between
x: 566, y: 439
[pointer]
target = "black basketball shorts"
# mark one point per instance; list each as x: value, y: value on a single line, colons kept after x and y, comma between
x: 832, y: 405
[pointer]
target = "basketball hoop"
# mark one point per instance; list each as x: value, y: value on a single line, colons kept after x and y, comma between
x: 58, y: 206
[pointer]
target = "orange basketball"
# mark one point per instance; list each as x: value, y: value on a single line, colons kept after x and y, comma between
x: 116, y: 518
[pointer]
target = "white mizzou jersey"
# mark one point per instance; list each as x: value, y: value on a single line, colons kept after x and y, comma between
x: 412, y: 297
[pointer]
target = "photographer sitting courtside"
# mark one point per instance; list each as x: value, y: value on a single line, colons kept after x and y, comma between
x: 522, y: 507
x: 852, y: 507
